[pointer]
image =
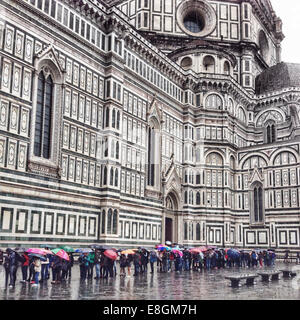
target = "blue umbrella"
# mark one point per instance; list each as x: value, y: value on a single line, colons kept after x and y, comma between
x: 83, y: 250
x: 35, y: 255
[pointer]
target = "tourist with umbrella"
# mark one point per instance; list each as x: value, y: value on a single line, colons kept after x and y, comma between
x: 137, y: 263
x: 165, y: 260
x: 6, y: 265
x: 45, y: 268
x: 144, y: 260
x: 25, y: 266
x: 56, y: 269
x: 13, y: 260
x: 97, y: 260
x: 123, y: 264
x: 111, y: 256
x: 70, y: 265
x: 37, y: 270
x: 91, y: 259
x: 178, y: 261
x: 186, y: 260
x: 153, y: 259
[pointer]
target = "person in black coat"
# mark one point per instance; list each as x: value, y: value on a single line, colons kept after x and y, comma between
x: 70, y: 265
x: 6, y: 268
x: 57, y: 266
x: 136, y: 262
x: 110, y: 267
x: 13, y: 265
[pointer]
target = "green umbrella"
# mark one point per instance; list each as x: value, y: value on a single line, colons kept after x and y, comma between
x: 67, y: 248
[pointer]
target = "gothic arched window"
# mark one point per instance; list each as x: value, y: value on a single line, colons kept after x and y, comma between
x: 113, y: 118
x: 198, y: 231
x: 257, y: 203
x: 116, y: 177
x: 105, y: 176
x: 185, y: 197
x: 185, y: 231
x: 270, y: 132
x: 107, y: 117
x: 109, y: 221
x: 42, y: 135
x: 118, y: 120
x: 115, y: 221
x: 198, y: 198
x: 153, y: 162
x: 213, y: 101
x: 111, y: 181
x: 103, y: 221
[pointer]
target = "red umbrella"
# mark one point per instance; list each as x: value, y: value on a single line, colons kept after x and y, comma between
x: 111, y: 254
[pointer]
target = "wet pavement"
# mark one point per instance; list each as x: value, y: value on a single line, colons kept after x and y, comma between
x: 206, y: 285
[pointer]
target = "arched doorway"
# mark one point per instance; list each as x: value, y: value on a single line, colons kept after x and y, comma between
x: 171, y: 209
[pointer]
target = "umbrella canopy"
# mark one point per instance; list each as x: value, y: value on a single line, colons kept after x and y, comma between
x: 129, y: 251
x: 178, y: 252
x: 162, y: 248
x: 38, y: 251
x: 35, y: 255
x: 111, y: 254
x: 168, y: 243
x: 61, y: 253
x: 67, y: 248
x: 83, y: 250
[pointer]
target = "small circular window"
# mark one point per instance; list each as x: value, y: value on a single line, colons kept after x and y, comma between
x: 186, y: 63
x: 194, y: 22
x: 196, y: 18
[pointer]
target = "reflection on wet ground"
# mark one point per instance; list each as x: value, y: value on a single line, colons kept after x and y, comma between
x: 208, y: 285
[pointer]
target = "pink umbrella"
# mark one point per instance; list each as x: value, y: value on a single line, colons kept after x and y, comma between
x: 177, y: 251
x: 38, y: 251
x: 61, y: 253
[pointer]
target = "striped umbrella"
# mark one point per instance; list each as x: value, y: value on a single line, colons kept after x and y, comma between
x: 61, y: 253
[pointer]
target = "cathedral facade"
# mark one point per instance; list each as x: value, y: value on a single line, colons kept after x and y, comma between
x: 134, y: 122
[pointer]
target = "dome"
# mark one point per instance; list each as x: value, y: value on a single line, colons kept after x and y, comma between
x: 282, y: 75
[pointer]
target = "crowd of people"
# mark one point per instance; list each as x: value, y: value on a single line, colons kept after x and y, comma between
x: 37, y: 269
x: 34, y: 269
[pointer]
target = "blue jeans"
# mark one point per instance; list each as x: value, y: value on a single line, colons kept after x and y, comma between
x: 97, y: 270
x: 208, y: 263
x: 36, y: 277
x: 186, y: 265
x: 24, y: 272
x: 44, y: 271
